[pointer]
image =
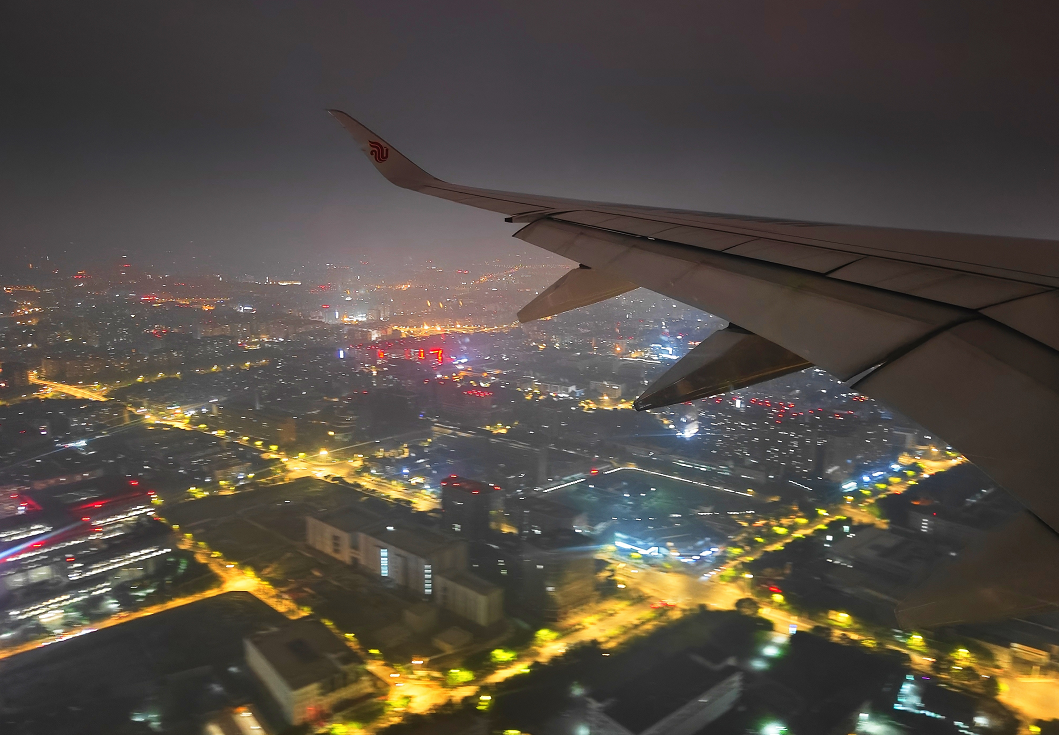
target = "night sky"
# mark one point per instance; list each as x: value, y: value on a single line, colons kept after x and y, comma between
x: 177, y: 129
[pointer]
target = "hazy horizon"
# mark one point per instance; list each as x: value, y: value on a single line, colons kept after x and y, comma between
x: 198, y: 132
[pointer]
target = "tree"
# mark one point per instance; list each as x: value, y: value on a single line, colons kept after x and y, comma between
x: 747, y: 606
x: 941, y: 665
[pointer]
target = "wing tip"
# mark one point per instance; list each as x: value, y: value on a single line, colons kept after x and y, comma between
x: 387, y: 160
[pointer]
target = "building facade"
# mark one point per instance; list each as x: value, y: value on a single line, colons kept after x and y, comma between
x: 558, y: 573
x: 467, y: 505
x: 470, y: 597
x: 410, y: 555
x: 338, y: 534
x: 306, y: 669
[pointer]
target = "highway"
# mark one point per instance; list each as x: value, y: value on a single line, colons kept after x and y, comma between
x: 77, y: 391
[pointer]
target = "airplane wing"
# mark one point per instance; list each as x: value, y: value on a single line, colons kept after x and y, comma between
x: 958, y: 332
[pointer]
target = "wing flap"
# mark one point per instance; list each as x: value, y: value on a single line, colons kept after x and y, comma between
x: 991, y: 392
x: 864, y: 326
x: 580, y: 287
x: 1036, y: 316
x: 728, y: 359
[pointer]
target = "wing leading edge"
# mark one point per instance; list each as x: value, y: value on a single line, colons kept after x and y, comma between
x: 958, y: 332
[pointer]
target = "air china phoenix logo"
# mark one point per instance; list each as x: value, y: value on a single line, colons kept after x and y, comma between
x: 378, y: 151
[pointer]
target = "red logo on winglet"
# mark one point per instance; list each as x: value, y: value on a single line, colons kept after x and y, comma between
x: 378, y: 151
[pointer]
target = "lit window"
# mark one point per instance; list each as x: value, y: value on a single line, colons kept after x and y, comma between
x: 384, y: 562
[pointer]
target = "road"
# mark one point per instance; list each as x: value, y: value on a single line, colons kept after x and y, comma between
x: 77, y: 391
x: 1033, y: 697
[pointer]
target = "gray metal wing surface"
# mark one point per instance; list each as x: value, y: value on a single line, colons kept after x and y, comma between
x: 958, y: 332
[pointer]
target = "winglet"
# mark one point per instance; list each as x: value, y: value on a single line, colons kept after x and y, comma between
x: 389, y: 162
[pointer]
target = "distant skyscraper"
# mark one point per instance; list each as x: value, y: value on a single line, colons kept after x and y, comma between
x: 466, y: 505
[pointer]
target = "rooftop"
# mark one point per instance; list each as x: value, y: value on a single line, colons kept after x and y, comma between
x: 547, y: 507
x: 408, y: 536
x: 350, y: 519
x: 660, y: 691
x: 559, y: 541
x: 470, y: 581
x: 304, y: 651
x: 471, y: 487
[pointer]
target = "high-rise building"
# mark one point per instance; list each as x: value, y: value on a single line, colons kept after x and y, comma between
x: 14, y: 374
x: 466, y: 506
x: 558, y: 573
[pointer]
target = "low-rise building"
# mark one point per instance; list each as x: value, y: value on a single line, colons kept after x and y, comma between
x: 678, y: 697
x: 470, y: 597
x: 338, y: 534
x: 306, y: 669
x: 452, y: 639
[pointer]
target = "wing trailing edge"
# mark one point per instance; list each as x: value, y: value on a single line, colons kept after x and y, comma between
x: 1011, y: 573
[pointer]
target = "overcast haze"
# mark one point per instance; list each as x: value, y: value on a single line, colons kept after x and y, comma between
x: 200, y: 127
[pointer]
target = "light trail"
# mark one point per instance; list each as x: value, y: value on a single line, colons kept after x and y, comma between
x: 34, y: 542
x: 121, y: 561
x: 679, y: 479
x: 72, y: 390
x: 565, y: 484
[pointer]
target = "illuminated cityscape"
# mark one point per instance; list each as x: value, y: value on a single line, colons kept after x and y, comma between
x: 300, y: 438
x: 461, y: 499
